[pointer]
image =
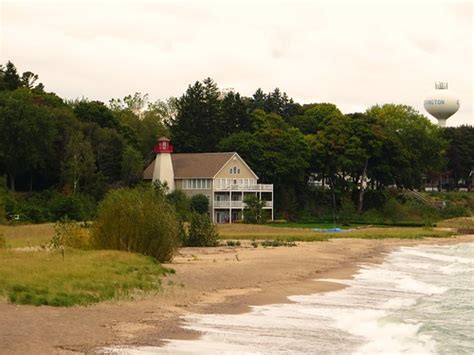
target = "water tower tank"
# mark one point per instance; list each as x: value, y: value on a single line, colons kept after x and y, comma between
x: 441, y: 104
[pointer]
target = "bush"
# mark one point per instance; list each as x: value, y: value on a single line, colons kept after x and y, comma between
x: 347, y: 211
x: 71, y: 234
x: 75, y: 207
x: 202, y: 232
x: 200, y: 204
x: 137, y: 220
x: 451, y: 210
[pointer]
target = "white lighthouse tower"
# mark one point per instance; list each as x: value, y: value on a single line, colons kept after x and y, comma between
x: 441, y: 103
x: 163, y: 169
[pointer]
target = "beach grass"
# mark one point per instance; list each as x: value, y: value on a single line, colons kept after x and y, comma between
x: 28, y: 235
x: 459, y: 223
x: 79, y: 278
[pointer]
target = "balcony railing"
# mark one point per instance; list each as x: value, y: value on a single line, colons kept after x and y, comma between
x: 237, y: 204
x: 257, y: 187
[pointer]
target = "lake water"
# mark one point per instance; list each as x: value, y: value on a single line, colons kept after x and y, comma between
x: 420, y: 300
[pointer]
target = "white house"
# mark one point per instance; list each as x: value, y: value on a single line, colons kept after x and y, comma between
x: 224, y: 178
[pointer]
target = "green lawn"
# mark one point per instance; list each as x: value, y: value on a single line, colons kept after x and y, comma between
x: 81, y: 278
x: 302, y: 233
x: 324, y: 225
x: 321, y: 225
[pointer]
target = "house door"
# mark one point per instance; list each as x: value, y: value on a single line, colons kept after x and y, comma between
x: 222, y: 217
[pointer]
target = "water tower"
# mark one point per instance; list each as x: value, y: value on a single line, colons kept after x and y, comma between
x: 441, y: 104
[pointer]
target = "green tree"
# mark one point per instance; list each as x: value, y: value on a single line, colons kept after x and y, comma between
x: 181, y: 204
x: 412, y: 148
x: 235, y: 113
x: 329, y: 158
x: 108, y: 146
x: 200, y: 204
x: 27, y: 133
x: 10, y: 77
x: 78, y: 166
x: 28, y: 80
x: 460, y: 152
x: 96, y: 112
x: 275, y: 102
x: 202, y: 232
x: 253, y: 211
x: 314, y: 117
x: 198, y: 125
x: 367, y: 142
x: 132, y: 166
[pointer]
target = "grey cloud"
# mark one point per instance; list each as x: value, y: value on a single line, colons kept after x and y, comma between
x: 351, y: 54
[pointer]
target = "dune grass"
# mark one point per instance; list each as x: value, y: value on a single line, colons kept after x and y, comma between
x: 19, y: 236
x: 81, y: 278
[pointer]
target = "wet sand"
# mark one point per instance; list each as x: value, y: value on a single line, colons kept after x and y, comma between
x: 207, y: 280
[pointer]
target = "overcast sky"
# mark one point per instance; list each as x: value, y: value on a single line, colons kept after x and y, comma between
x: 352, y: 54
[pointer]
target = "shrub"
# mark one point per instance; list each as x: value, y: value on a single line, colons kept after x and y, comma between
x: 137, y: 220
x: 232, y: 243
x: 200, y: 204
x: 75, y: 207
x: 277, y: 243
x: 452, y: 210
x: 202, y: 232
x: 71, y: 234
x: 347, y: 211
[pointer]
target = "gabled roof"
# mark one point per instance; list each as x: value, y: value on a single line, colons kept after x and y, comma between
x: 194, y: 165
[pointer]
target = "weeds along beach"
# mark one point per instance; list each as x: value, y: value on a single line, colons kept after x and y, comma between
x: 207, y: 280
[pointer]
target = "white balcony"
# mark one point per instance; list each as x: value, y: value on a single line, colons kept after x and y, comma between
x: 237, y: 204
x: 257, y: 187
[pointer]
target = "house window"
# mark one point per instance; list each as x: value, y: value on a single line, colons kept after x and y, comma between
x: 234, y: 170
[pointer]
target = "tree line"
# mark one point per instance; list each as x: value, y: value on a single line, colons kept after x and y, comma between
x: 87, y: 147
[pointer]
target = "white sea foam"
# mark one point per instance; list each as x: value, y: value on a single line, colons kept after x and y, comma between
x: 440, y: 257
x: 418, y: 301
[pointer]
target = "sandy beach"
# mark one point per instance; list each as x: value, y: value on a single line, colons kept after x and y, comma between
x: 207, y: 280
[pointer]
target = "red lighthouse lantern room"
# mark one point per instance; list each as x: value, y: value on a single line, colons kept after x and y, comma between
x: 164, y: 146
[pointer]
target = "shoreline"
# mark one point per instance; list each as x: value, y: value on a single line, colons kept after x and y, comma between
x: 207, y: 280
